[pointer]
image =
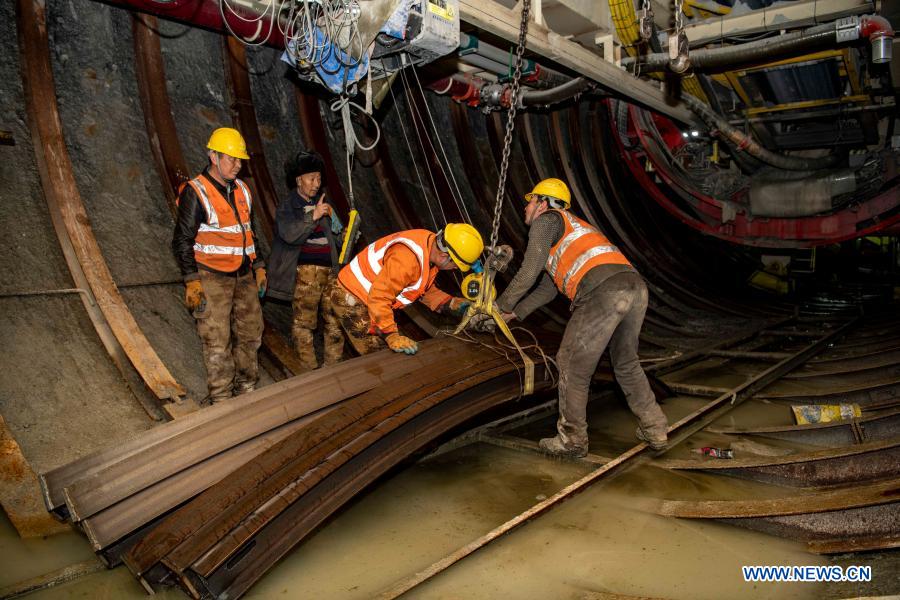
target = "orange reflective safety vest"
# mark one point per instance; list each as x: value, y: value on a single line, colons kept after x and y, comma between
x: 358, y: 276
x: 225, y: 237
x: 581, y: 248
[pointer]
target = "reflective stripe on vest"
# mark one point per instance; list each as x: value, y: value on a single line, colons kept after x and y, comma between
x: 358, y: 276
x: 581, y: 248
x: 226, y: 235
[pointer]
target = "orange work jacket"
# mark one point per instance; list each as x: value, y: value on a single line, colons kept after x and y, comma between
x: 581, y: 248
x: 225, y: 237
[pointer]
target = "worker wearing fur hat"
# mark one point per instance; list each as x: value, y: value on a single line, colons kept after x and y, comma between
x: 304, y: 258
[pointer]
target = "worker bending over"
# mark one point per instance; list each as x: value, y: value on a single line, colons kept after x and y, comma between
x: 214, y: 246
x: 392, y: 273
x: 608, y: 302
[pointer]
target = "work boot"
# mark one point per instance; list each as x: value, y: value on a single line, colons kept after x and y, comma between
x: 555, y: 447
x: 654, y: 442
x: 243, y: 388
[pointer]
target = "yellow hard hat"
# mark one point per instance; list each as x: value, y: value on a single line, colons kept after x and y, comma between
x: 463, y: 243
x: 228, y: 141
x: 551, y: 189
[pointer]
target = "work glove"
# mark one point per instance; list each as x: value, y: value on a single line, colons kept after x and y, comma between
x: 261, y: 281
x: 482, y: 323
x: 194, y: 298
x: 457, y: 306
x: 401, y: 343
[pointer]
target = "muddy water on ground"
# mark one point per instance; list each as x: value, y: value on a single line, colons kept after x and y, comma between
x: 607, y: 539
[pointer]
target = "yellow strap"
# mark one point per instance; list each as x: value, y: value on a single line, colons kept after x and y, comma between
x: 485, y: 305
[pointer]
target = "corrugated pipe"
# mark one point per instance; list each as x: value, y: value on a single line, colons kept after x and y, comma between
x: 799, y: 194
x: 877, y: 29
x: 747, y: 144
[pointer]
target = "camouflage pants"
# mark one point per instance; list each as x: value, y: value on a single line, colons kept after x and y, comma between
x: 232, y: 310
x: 309, y: 296
x: 353, y: 317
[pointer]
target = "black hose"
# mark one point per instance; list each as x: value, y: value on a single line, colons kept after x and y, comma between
x: 796, y: 42
x: 559, y: 93
x: 747, y: 144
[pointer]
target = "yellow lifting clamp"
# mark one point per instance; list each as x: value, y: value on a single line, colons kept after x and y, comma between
x: 478, y: 287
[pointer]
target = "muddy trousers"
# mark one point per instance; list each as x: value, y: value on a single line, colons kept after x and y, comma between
x: 611, y: 314
x: 309, y: 299
x: 232, y: 312
x: 353, y: 316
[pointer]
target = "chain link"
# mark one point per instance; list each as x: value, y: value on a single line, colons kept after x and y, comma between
x: 679, y: 17
x: 510, y: 122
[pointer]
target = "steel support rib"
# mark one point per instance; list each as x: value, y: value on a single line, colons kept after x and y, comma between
x: 237, y: 83
x: 70, y: 220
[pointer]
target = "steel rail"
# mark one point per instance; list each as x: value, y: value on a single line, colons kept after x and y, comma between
x: 869, y: 427
x: 187, y: 534
x: 299, y: 520
x: 116, y: 482
x: 832, y: 466
x: 114, y: 323
x: 854, y: 512
x: 631, y: 458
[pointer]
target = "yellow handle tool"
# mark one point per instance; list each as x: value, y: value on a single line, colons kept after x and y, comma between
x: 484, y: 304
x: 350, y: 235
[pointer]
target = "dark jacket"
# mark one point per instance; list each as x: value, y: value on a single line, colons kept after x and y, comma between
x: 191, y: 215
x: 292, y: 226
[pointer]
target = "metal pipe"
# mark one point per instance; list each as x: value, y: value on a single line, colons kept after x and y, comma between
x: 559, y: 93
x: 877, y: 29
x: 747, y: 144
x: 793, y: 194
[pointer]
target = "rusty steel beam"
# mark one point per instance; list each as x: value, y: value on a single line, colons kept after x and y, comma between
x: 151, y: 81
x: 854, y: 464
x: 20, y: 491
x: 282, y: 473
x: 391, y: 447
x: 116, y: 325
x: 209, y: 557
x: 849, y: 366
x: 870, y: 427
x: 357, y: 375
x: 91, y: 494
x: 237, y: 84
x: 857, y: 512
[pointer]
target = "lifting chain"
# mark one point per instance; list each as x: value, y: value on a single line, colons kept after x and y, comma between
x: 485, y: 303
x: 645, y: 21
x: 679, y: 58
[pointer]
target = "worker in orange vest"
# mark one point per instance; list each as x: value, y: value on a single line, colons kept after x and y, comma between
x: 224, y: 276
x: 392, y: 273
x: 608, y: 301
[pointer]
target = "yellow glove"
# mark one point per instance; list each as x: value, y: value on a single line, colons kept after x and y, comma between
x: 401, y: 343
x: 261, y: 281
x: 194, y: 297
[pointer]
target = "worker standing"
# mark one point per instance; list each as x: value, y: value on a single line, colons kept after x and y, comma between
x: 392, y: 273
x: 608, y: 302
x: 224, y: 276
x: 304, y: 259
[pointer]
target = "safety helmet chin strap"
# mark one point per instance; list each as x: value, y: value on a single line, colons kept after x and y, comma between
x: 227, y: 180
